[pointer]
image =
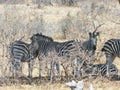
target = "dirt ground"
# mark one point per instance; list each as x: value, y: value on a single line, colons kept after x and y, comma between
x: 98, y: 84
x: 23, y: 83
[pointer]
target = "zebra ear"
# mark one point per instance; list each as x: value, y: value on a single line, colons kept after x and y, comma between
x: 97, y: 33
x: 90, y: 33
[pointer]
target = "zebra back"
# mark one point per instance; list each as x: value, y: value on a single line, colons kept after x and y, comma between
x: 112, y: 47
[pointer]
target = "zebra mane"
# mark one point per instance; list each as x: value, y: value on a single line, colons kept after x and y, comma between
x: 42, y: 37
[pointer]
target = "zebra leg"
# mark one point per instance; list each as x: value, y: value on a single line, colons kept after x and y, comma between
x: 16, y: 69
x: 40, y: 63
x: 21, y: 68
x: 51, y: 71
x: 40, y: 68
x: 58, y: 69
x: 12, y: 68
x: 46, y: 68
x: 109, y: 60
x: 74, y: 66
x: 30, y: 67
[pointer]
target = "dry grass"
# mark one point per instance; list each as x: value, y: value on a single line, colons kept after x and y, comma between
x: 98, y: 85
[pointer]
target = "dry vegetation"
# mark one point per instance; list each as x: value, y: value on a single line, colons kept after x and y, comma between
x: 62, y: 20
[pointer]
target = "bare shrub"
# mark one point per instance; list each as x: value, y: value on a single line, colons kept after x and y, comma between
x: 52, y: 66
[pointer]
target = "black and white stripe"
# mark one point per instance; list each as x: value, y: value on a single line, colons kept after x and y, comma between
x: 112, y: 50
x: 19, y: 52
x: 101, y: 69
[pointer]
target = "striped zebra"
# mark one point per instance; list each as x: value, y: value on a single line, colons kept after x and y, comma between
x: 89, y: 46
x: 101, y: 69
x: 45, y: 45
x: 112, y: 50
x: 19, y: 52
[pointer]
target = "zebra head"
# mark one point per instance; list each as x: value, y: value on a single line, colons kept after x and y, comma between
x: 93, y: 40
x: 37, y: 41
x: 34, y: 46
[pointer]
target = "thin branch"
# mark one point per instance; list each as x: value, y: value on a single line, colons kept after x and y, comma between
x: 97, y: 27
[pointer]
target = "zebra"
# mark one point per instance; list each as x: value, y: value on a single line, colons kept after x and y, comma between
x: 112, y: 50
x: 101, y: 69
x: 44, y: 44
x: 89, y: 46
x: 19, y: 52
